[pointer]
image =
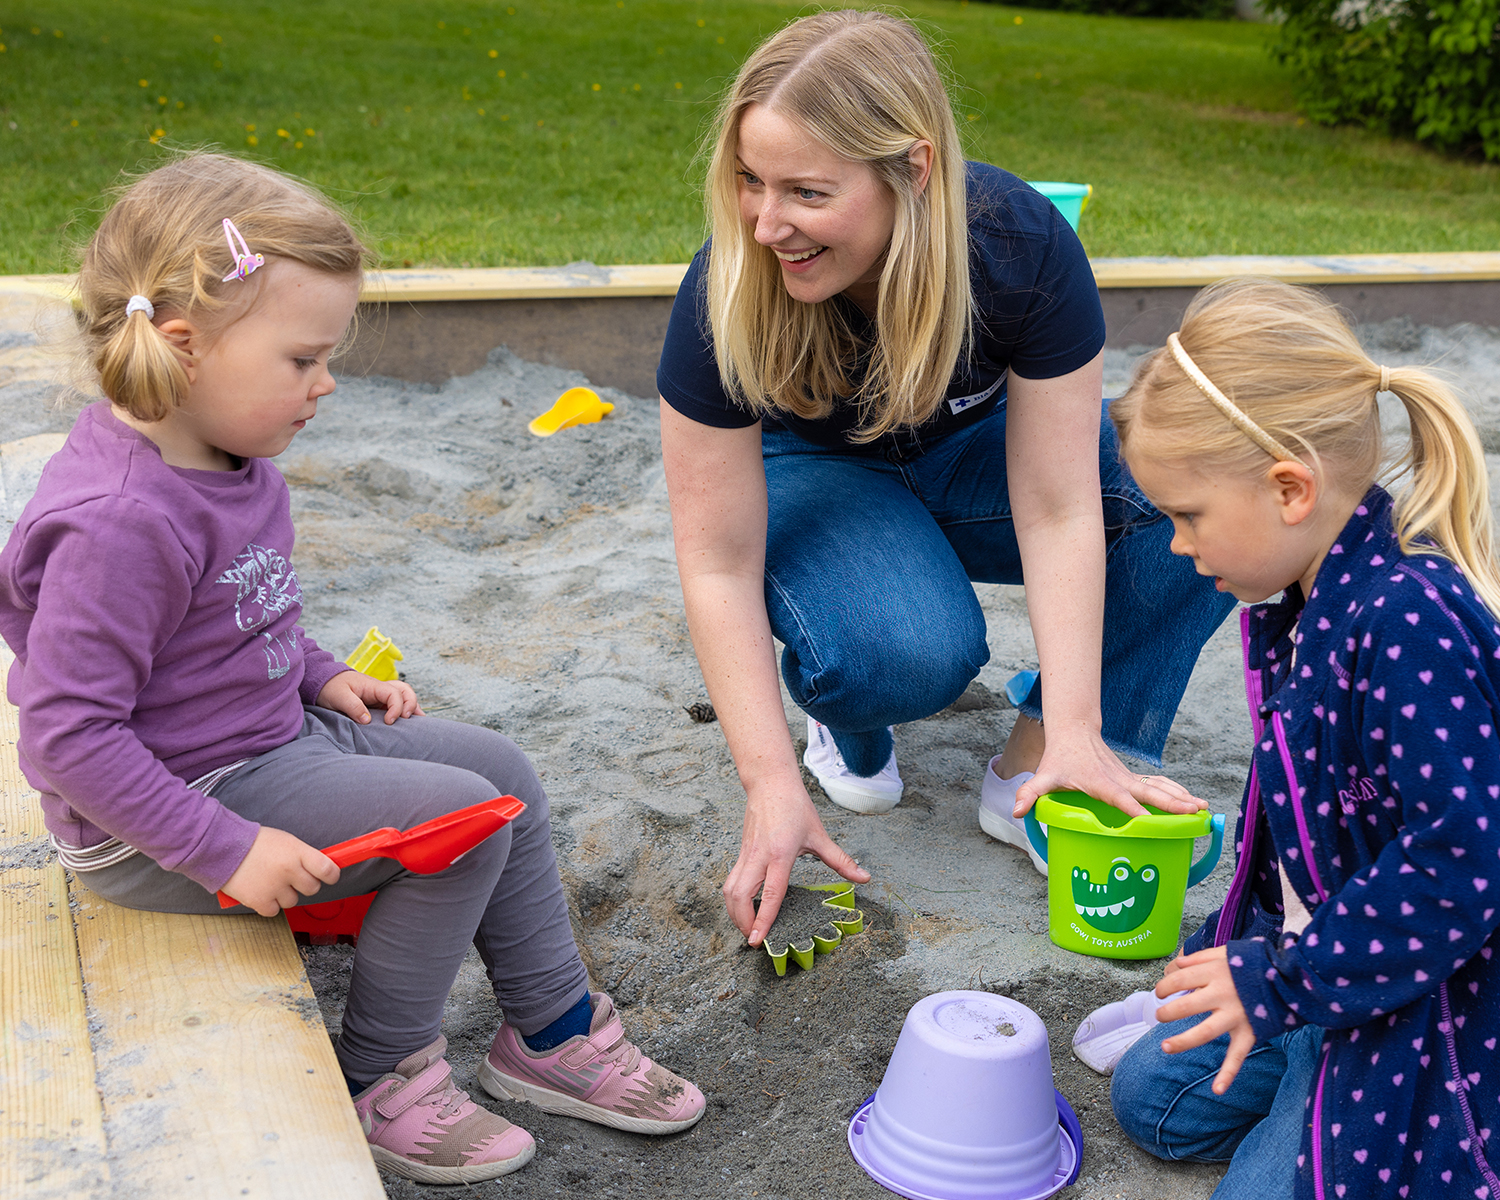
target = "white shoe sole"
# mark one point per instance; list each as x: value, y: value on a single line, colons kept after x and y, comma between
x: 1002, y: 830
x: 408, y: 1168
x: 506, y: 1087
x: 856, y: 799
x: 1101, y: 1052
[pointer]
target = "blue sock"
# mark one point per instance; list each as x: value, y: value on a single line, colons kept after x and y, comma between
x: 572, y: 1023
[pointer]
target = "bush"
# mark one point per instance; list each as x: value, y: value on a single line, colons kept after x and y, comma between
x: 1207, y: 9
x: 1424, y: 67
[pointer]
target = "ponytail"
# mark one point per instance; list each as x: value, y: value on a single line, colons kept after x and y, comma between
x: 1447, y: 501
x: 138, y: 368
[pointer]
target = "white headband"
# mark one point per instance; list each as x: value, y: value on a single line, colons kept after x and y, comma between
x: 141, y: 304
x: 1237, y: 416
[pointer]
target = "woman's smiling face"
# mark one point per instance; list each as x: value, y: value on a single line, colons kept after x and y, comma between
x: 827, y: 218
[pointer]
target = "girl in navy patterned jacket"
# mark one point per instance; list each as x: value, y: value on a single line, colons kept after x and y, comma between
x: 1333, y: 1031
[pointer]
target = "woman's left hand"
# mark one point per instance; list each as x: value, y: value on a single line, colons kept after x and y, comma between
x: 1210, y: 989
x: 354, y: 693
x: 1076, y: 759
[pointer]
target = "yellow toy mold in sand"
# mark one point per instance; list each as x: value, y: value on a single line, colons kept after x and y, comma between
x: 836, y: 918
x: 376, y: 655
x: 576, y: 406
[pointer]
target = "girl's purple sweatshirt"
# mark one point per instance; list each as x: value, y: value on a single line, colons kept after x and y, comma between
x: 153, y: 614
x: 1375, y: 789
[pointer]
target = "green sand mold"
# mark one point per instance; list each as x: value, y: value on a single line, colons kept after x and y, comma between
x: 835, y: 917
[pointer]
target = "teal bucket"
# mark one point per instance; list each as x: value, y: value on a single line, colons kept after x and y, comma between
x: 1116, y: 884
x: 1070, y: 198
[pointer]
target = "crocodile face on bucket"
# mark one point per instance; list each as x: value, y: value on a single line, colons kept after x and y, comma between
x: 1123, y: 901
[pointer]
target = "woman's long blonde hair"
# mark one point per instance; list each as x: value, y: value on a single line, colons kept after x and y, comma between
x: 1287, y: 358
x: 866, y: 86
x: 164, y: 239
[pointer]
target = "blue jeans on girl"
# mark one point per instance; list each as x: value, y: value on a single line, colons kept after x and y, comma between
x: 1166, y: 1106
x: 870, y: 556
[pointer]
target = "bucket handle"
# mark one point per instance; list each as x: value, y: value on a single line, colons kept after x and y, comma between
x: 1210, y: 859
x: 1196, y: 873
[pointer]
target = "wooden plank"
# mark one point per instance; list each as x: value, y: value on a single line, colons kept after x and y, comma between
x: 581, y: 281
x: 217, y: 1075
x: 1318, y: 269
x: 585, y: 280
x: 51, y: 1123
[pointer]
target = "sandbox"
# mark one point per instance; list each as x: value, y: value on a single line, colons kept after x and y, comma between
x: 531, y: 586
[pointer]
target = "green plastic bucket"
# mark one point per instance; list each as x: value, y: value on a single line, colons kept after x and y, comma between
x: 1116, y: 884
x: 1071, y: 198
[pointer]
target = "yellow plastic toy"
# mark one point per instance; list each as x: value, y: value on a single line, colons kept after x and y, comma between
x: 576, y: 406
x: 376, y: 656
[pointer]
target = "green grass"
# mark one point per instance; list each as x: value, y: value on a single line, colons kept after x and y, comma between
x: 585, y: 147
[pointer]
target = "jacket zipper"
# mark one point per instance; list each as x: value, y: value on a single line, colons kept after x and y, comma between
x: 1239, y: 883
x: 1317, y: 1127
x: 1278, y: 730
x: 1476, y: 1146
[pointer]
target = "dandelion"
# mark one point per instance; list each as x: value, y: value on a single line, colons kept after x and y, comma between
x: 282, y: 133
x: 494, y: 54
x: 442, y: 24
x: 637, y: 87
x: 252, y: 140
x: 480, y: 111
x: 249, y: 128
x: 217, y: 64
x: 313, y: 133
x: 2, y: 47
x: 973, y: 116
x: 145, y: 83
x: 701, y: 22
x: 678, y: 86
x: 161, y: 99
x: 57, y: 33
x: 75, y: 122
x: 296, y: 145
x: 218, y: 39
x: 721, y: 41
x: 157, y: 136
x: 500, y: 74
x: 1018, y: 20
x: 539, y: 124
x: 510, y: 12
x: 35, y: 30
x: 182, y: 104
x: 597, y: 87
x: 505, y: 116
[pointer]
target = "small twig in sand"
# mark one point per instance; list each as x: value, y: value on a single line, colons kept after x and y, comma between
x: 761, y: 1017
x: 734, y: 991
x: 627, y: 971
x: 773, y: 1095
x: 901, y: 898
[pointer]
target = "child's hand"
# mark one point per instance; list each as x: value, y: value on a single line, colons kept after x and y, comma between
x: 354, y: 693
x: 279, y: 870
x: 1210, y: 986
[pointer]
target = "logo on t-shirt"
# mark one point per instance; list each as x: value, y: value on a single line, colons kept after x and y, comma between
x: 266, y: 589
x: 956, y: 404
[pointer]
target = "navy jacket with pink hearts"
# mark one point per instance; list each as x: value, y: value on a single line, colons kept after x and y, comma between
x: 1375, y: 787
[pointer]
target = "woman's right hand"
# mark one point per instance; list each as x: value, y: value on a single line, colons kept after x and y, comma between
x: 716, y: 483
x: 781, y: 824
x: 279, y: 870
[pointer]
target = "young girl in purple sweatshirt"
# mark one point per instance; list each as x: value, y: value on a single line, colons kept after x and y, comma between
x: 1336, y: 1031
x: 186, y: 735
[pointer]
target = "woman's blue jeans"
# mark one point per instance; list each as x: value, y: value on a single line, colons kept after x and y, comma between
x: 870, y: 556
x: 1165, y: 1104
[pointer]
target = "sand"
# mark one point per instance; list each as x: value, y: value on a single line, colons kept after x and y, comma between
x: 530, y: 584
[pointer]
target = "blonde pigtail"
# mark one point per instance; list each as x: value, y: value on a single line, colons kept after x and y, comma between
x: 1447, y: 501
x: 139, y: 369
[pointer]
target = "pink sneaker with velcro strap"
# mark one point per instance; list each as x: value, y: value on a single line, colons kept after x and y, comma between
x: 421, y: 1127
x: 601, y: 1078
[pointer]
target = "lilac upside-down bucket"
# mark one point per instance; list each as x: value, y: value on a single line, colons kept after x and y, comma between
x: 967, y: 1109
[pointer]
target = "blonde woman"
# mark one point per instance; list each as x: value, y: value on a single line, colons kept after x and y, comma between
x: 881, y: 381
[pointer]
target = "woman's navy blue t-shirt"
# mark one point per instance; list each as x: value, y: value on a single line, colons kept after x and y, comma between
x: 1036, y: 309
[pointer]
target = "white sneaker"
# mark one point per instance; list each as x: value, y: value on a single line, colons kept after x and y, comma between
x: 1107, y: 1032
x: 858, y: 793
x: 997, y: 801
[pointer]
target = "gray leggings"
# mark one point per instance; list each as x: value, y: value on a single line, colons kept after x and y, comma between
x: 337, y: 780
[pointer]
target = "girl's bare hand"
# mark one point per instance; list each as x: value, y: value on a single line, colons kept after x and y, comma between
x: 354, y: 693
x: 279, y: 870
x: 1208, y: 976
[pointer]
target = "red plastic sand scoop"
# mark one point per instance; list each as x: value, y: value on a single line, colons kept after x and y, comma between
x: 427, y: 848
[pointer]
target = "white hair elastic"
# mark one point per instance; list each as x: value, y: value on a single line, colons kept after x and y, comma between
x: 141, y: 304
x: 1237, y: 416
x: 1385, y: 380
